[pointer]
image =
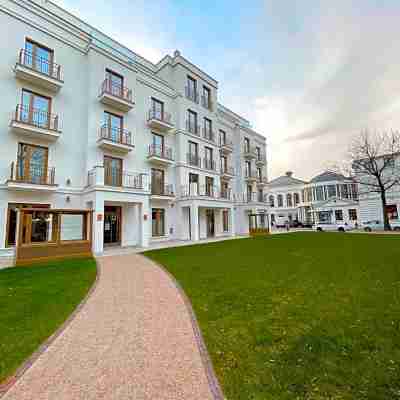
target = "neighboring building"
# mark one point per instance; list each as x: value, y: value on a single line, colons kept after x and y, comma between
x: 370, y: 202
x: 284, y: 194
x: 329, y: 197
x: 95, y: 126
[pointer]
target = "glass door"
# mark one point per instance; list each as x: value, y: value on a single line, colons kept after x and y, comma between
x: 35, y: 109
x: 115, y: 83
x: 157, y: 109
x: 112, y: 171
x: 32, y: 164
x: 157, y: 181
x: 210, y: 223
x: 38, y: 58
x: 158, y: 145
x: 114, y: 123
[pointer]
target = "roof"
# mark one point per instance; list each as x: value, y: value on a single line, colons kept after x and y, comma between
x: 328, y: 176
x: 285, y: 180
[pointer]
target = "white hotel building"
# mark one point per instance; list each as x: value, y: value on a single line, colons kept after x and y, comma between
x: 86, y: 123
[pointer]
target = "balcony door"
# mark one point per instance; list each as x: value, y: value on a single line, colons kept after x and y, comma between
x: 157, y: 108
x: 114, y: 125
x: 157, y: 181
x: 32, y: 163
x: 158, y: 144
x: 209, y: 186
x: 35, y: 109
x: 193, y: 183
x: 115, y: 83
x: 112, y: 171
x: 38, y: 57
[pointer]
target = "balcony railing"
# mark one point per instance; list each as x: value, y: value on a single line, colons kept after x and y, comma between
x: 206, y: 102
x: 159, y: 189
x: 261, y: 159
x: 191, y: 94
x: 214, y: 192
x: 252, y: 197
x: 40, y: 64
x: 116, y: 135
x: 193, y: 159
x: 227, y: 170
x: 32, y: 173
x: 164, y: 117
x: 113, y: 89
x: 192, y: 128
x: 227, y: 143
x: 36, y: 117
x: 249, y: 151
x: 209, y: 164
x: 161, y: 152
x: 209, y: 134
x: 116, y: 177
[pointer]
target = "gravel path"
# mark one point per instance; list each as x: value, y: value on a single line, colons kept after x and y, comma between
x: 133, y: 339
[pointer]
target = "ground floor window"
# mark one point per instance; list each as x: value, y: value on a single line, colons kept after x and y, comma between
x: 339, y: 215
x: 225, y: 220
x: 158, y: 222
x: 272, y: 218
x: 324, y: 216
x: 353, y: 214
x: 392, y: 211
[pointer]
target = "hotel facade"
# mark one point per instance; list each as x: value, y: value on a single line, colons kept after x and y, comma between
x: 88, y: 124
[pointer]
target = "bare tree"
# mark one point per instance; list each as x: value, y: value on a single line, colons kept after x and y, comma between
x: 373, y: 164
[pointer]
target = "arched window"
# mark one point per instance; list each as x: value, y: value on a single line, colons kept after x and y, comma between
x: 280, y: 200
x: 289, y: 200
x: 271, y: 201
x: 296, y: 199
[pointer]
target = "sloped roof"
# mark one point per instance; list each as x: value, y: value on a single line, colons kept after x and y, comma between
x: 285, y: 180
x: 328, y: 176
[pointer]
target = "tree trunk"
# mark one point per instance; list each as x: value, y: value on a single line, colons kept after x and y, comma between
x: 385, y: 214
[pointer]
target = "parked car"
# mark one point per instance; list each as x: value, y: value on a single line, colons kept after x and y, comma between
x: 376, y: 225
x: 329, y: 227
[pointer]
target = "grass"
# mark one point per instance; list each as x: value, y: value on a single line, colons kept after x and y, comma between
x: 297, y: 316
x: 34, y: 302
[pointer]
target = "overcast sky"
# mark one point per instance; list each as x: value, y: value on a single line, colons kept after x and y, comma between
x: 307, y: 74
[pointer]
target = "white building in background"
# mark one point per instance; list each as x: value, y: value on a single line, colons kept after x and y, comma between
x: 328, y: 198
x: 86, y: 123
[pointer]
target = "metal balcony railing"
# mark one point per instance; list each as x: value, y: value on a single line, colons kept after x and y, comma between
x: 119, y: 178
x: 30, y: 172
x: 215, y: 192
x: 193, y: 159
x: 36, y: 117
x: 161, y: 152
x: 116, y: 135
x: 192, y: 94
x: 40, y: 64
x: 160, y: 189
x: 113, y: 89
x: 164, y: 117
x: 227, y: 170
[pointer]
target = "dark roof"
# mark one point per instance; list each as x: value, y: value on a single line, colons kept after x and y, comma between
x: 328, y: 176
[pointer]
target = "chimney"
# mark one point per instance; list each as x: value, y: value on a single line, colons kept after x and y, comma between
x: 289, y: 174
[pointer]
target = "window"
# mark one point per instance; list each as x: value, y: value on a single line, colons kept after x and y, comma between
x: 248, y: 169
x: 331, y: 189
x: 224, y: 163
x: 259, y: 174
x: 209, y: 186
x: 38, y: 57
x: 194, y: 149
x: 271, y: 201
x: 114, y: 83
x: 319, y: 190
x: 339, y: 215
x: 208, y: 134
x: 258, y: 151
x: 113, y: 125
x: 225, y: 220
x: 191, y: 89
x: 353, y: 214
x: 289, y: 202
x: 296, y: 197
x: 246, y: 145
x: 157, y: 181
x: 303, y: 196
x: 192, y: 126
x: 157, y: 145
x: 32, y: 164
x: 222, y: 137
x: 354, y: 191
x: 391, y: 210
x: 112, y: 171
x: 280, y: 200
x: 158, y: 222
x: 249, y: 193
x: 157, y: 109
x: 344, y: 191
x: 35, y: 109
x: 260, y: 196
x: 206, y: 98
x: 208, y: 159
x: 224, y: 190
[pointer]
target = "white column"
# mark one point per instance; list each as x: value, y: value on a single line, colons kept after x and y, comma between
x: 3, y: 225
x: 145, y: 223
x: 194, y: 222
x: 232, y: 222
x: 98, y: 224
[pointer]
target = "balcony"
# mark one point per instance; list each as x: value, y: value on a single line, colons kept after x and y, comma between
x: 262, y: 181
x: 252, y: 198
x: 227, y: 172
x: 116, y: 96
x: 35, y: 123
x: 261, y: 160
x: 161, y: 191
x: 192, y: 95
x: 38, y: 71
x: 209, y: 135
x: 192, y: 128
x: 226, y: 146
x: 211, y: 165
x: 194, y: 190
x: 31, y: 177
x: 206, y: 103
x: 161, y: 121
x: 193, y: 160
x: 250, y: 177
x: 115, y: 139
x: 249, y: 152
x: 117, y: 179
x: 161, y: 155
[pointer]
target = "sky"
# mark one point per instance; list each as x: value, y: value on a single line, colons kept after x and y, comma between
x: 309, y: 75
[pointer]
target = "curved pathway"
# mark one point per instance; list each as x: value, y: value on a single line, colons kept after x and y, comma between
x: 133, y: 339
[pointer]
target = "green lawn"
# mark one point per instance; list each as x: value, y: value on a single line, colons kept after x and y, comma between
x: 297, y: 316
x: 34, y: 302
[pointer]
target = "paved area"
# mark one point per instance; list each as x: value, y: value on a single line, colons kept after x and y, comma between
x: 133, y: 339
